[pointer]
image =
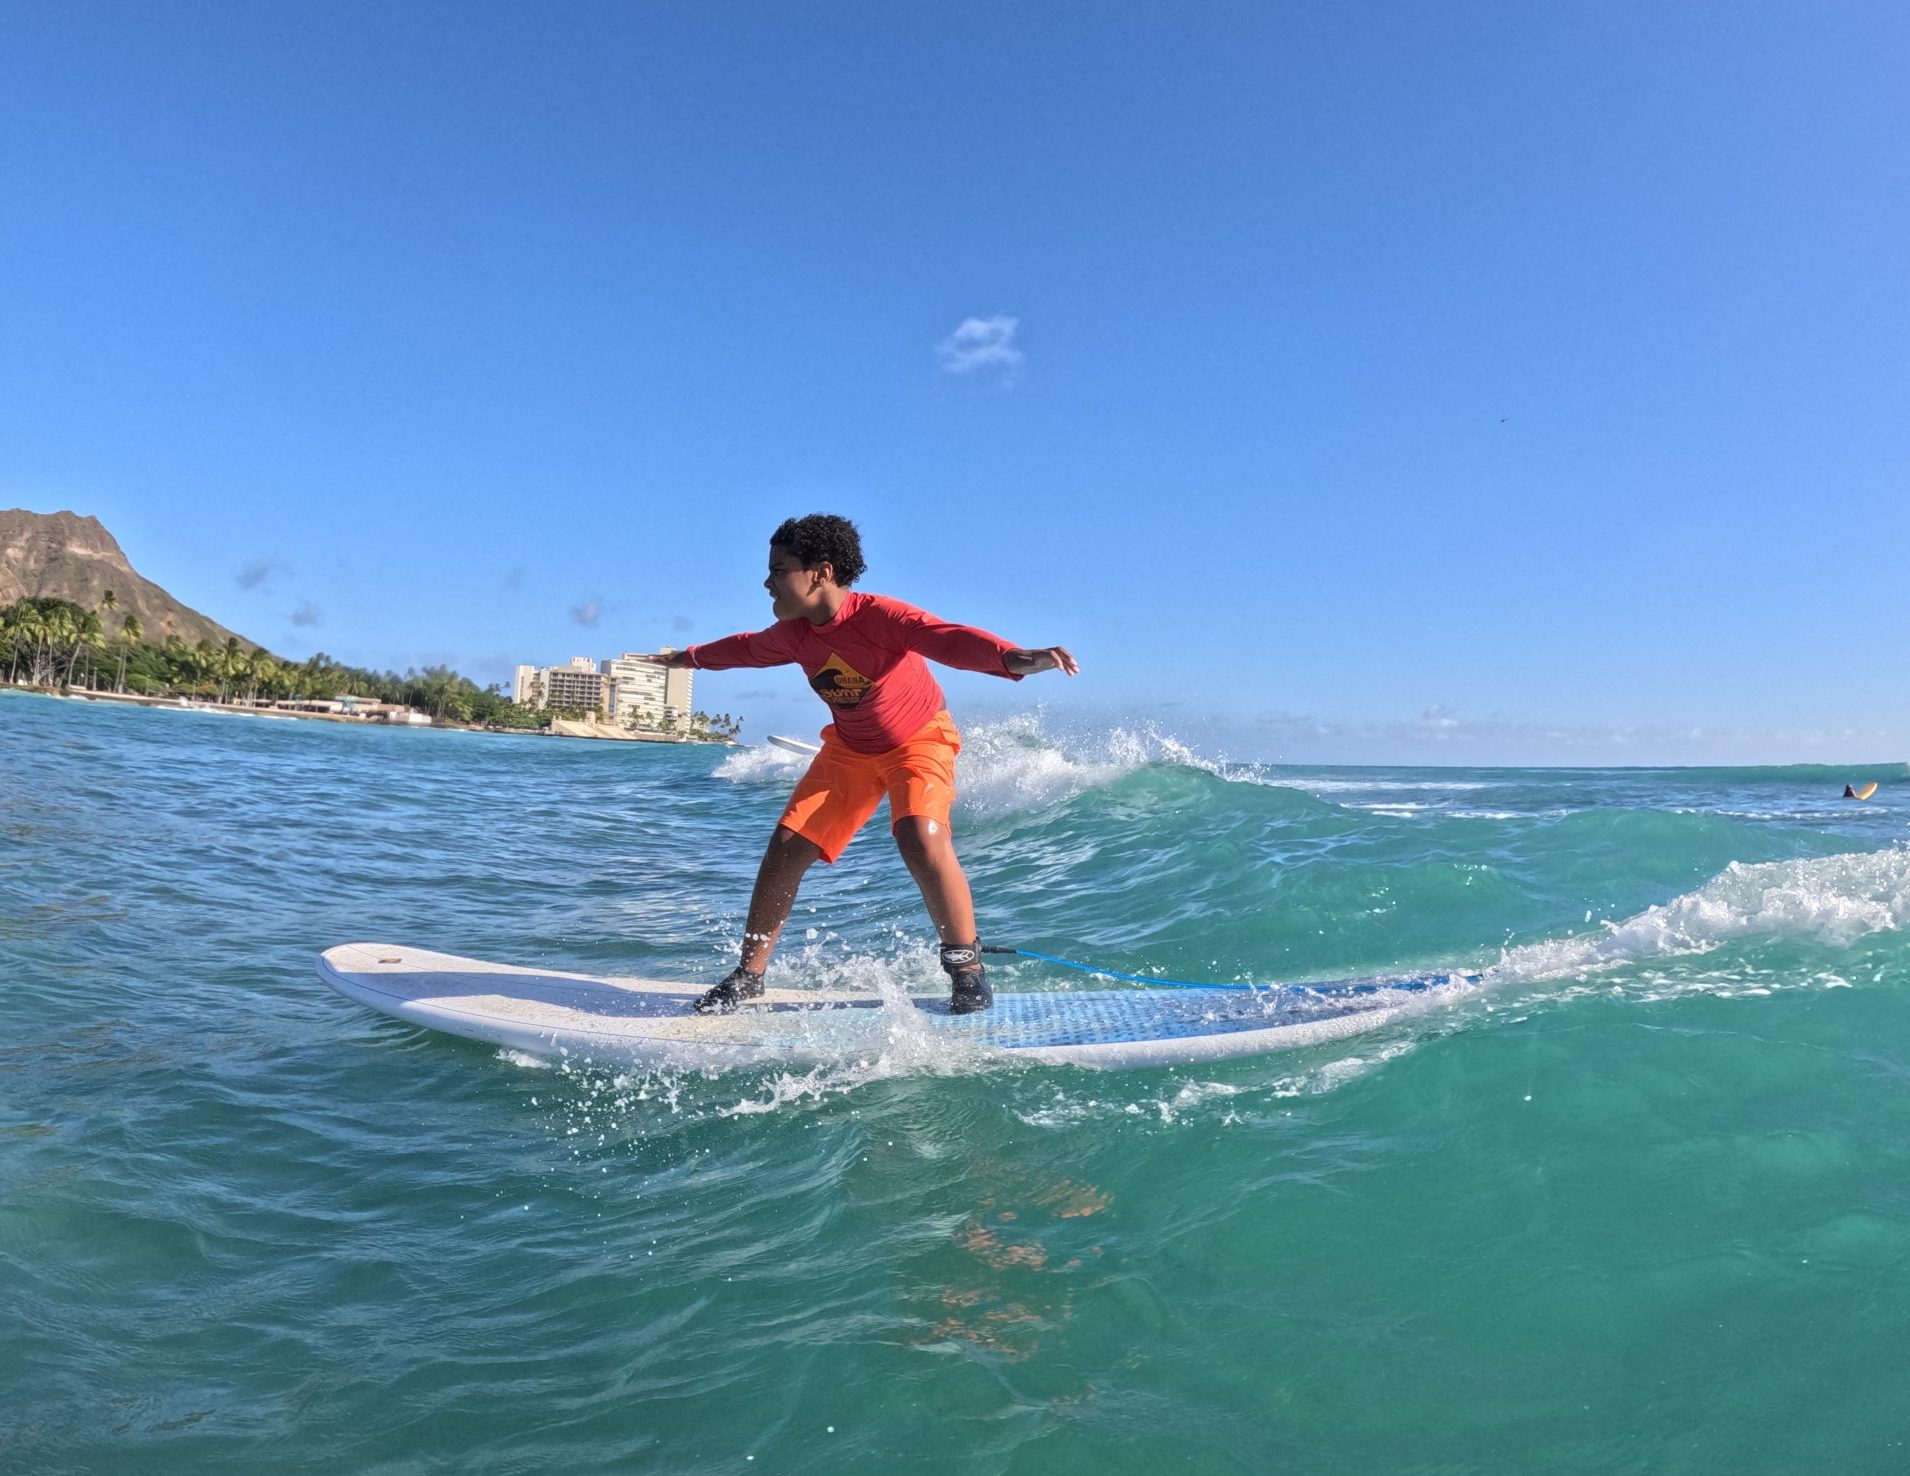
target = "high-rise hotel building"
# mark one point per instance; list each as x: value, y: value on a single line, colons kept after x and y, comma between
x: 576, y: 684
x: 629, y: 690
x: 643, y: 694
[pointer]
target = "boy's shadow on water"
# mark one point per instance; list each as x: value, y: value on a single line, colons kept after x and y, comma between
x: 1018, y: 1261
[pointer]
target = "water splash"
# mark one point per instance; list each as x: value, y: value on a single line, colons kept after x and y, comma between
x: 1019, y: 765
x: 762, y: 765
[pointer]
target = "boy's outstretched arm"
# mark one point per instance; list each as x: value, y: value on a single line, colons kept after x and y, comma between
x: 762, y: 648
x: 965, y: 647
x: 1021, y: 662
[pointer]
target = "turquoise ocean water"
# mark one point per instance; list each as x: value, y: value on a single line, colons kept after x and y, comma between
x: 1640, y: 1204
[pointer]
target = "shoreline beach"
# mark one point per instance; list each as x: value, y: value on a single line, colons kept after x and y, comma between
x: 560, y: 727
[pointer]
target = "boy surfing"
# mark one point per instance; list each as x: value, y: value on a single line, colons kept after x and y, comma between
x: 891, y: 736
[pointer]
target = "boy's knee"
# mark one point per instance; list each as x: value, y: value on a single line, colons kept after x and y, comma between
x: 922, y: 839
x: 792, y: 847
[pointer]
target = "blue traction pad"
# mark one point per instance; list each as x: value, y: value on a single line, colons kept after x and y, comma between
x: 1110, y: 1016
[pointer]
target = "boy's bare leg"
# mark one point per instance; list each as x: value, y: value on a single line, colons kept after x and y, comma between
x: 929, y: 852
x: 789, y: 855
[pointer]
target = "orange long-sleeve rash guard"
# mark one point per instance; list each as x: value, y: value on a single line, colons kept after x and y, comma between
x: 867, y: 664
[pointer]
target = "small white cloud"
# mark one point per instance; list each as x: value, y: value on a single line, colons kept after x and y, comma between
x: 588, y: 612
x: 307, y: 614
x: 258, y: 572
x: 983, y: 344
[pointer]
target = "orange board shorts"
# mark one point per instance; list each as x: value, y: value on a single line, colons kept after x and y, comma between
x: 844, y: 788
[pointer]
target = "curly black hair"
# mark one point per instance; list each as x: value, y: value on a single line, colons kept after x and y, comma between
x: 823, y: 536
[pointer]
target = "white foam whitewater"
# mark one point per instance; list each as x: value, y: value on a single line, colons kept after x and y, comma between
x: 1014, y: 765
x: 1835, y: 899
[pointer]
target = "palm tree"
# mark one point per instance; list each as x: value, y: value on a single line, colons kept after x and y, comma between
x: 268, y: 672
x: 86, y: 629
x: 232, y: 667
x: 108, y: 603
x: 26, y: 636
x: 18, y: 618
x: 129, y: 634
x: 202, y: 661
x: 177, y: 660
x: 319, y: 676
x: 32, y: 625
x: 59, y: 634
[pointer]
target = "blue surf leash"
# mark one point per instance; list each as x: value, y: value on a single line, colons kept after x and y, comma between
x: 1410, y: 986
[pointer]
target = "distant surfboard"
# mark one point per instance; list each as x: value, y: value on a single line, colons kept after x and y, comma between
x: 794, y: 745
x: 649, y: 1021
x: 1865, y: 791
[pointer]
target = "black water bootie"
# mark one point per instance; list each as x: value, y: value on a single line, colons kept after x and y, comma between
x: 740, y: 986
x: 969, y: 991
x: 968, y: 980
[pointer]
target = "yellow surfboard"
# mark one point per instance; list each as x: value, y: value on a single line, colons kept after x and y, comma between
x: 1866, y: 791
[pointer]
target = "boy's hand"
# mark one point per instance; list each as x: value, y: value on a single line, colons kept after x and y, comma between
x: 1041, y: 658
x: 657, y: 658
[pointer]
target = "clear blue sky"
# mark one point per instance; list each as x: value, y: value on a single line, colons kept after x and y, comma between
x: 1449, y: 383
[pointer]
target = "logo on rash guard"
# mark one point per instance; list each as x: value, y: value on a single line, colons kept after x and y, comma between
x: 840, y: 684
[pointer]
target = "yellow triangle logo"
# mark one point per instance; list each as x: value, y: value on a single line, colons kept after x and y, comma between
x: 840, y: 684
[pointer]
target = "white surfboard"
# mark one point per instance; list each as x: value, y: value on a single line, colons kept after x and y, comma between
x: 649, y: 1021
x: 795, y: 745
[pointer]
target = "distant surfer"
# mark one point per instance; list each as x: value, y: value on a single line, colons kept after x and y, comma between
x: 1863, y: 793
x: 1849, y: 793
x: 892, y: 735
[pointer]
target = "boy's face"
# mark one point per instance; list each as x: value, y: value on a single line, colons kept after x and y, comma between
x: 796, y: 592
